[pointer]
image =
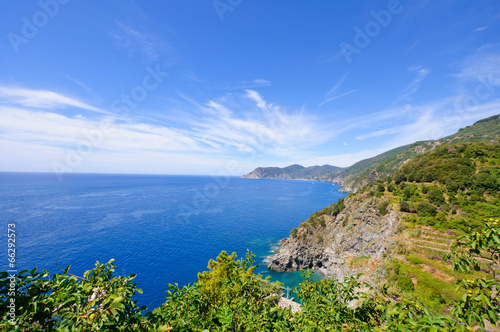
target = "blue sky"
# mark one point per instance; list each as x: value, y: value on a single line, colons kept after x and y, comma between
x: 224, y: 86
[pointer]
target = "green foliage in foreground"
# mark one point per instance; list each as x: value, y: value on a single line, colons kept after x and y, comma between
x: 230, y: 297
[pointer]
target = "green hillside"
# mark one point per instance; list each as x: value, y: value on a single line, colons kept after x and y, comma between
x: 439, y: 197
x: 369, y: 170
x: 441, y: 194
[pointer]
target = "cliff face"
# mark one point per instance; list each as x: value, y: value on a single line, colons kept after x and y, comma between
x: 351, y: 242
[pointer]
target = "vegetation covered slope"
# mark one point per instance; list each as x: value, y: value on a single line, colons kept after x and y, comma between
x: 440, y: 195
x: 385, y: 164
x: 294, y: 172
x: 434, y: 198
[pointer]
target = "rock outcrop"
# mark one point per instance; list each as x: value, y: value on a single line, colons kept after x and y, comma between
x: 354, y: 241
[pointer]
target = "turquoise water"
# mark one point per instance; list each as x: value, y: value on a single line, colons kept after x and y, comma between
x: 163, y: 228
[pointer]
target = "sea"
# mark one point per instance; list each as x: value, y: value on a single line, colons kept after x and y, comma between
x: 164, y: 228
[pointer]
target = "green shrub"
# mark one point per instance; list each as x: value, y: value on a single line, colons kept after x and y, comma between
x: 345, y: 221
x: 404, y: 206
x: 425, y: 209
x: 437, y: 297
x: 293, y: 233
x: 435, y: 196
x: 339, y: 206
x: 405, y: 283
x: 424, y: 189
x: 414, y: 259
x: 383, y: 208
x: 410, y: 191
x: 396, y: 268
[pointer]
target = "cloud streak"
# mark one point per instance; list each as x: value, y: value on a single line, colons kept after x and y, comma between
x: 43, y: 99
x: 335, y: 88
x: 138, y: 41
x: 337, y: 97
x: 415, y: 84
x: 483, y: 66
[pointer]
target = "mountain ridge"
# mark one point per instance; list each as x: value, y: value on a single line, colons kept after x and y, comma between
x: 368, y: 170
x: 294, y: 172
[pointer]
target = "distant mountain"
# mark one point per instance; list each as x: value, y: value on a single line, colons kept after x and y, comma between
x: 294, y: 172
x: 385, y: 164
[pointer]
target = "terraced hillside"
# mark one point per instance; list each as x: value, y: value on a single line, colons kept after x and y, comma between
x: 417, y: 270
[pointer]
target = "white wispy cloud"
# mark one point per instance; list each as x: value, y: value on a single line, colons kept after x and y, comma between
x: 482, y: 66
x: 191, y: 76
x: 415, y: 83
x: 237, y: 125
x: 481, y: 28
x: 337, y: 97
x: 249, y: 123
x: 137, y: 40
x: 335, y: 88
x: 52, y: 129
x: 429, y: 121
x: 86, y: 88
x: 382, y: 132
x: 42, y: 99
x: 433, y: 120
x: 256, y: 83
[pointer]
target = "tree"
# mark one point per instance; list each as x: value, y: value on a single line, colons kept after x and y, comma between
x: 69, y: 302
x: 383, y: 208
x: 425, y: 209
x: 435, y: 196
x: 404, y: 206
x: 482, y: 300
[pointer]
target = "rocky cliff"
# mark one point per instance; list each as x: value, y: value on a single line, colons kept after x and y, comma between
x: 350, y: 242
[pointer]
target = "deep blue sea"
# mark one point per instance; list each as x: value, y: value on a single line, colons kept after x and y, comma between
x: 162, y: 228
